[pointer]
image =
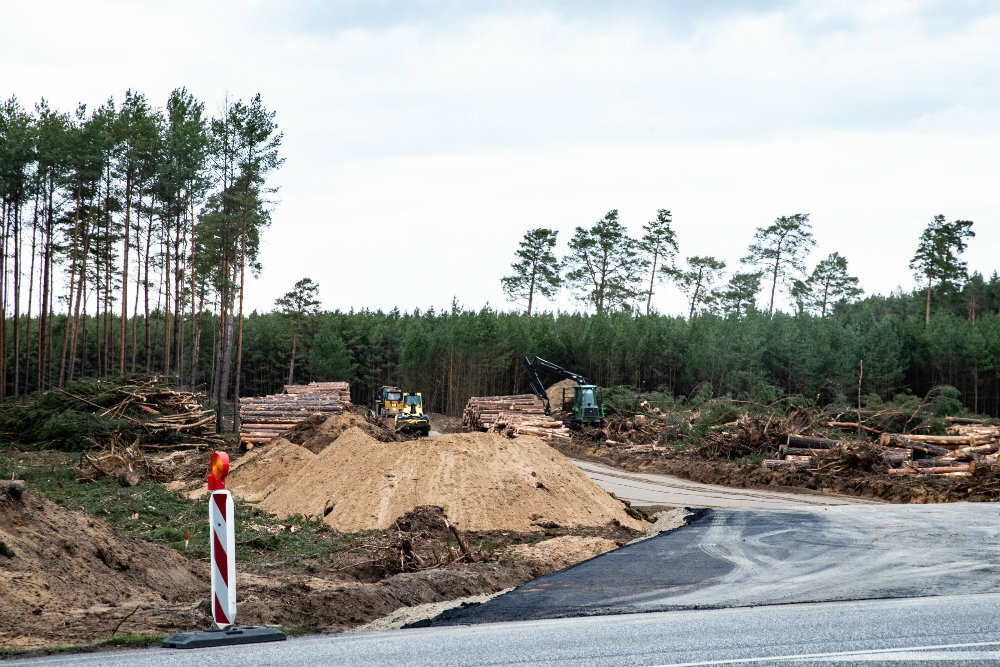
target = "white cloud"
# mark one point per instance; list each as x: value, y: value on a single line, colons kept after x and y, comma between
x: 423, y: 140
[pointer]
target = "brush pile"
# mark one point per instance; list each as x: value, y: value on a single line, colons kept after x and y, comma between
x: 126, y: 463
x: 144, y: 410
x: 421, y: 539
x: 168, y: 410
x: 753, y: 436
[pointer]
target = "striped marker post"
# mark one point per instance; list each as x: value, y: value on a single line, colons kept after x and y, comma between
x: 222, y: 520
x: 222, y: 524
x: 220, y: 516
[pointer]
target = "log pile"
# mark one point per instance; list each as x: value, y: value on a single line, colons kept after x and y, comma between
x: 969, y: 447
x: 266, y: 417
x: 972, y: 427
x: 513, y: 425
x: 520, y: 414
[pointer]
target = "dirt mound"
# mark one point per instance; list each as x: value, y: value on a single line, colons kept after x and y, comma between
x: 318, y: 431
x: 66, y: 574
x: 560, y: 552
x: 260, y: 472
x: 555, y: 394
x: 483, y: 481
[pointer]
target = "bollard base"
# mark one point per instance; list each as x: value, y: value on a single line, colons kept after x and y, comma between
x: 229, y: 637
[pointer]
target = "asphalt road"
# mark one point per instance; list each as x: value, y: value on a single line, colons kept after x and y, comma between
x: 651, y: 489
x: 928, y: 631
x: 740, y: 558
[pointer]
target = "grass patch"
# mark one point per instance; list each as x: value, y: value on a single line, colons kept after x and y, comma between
x: 151, y: 513
x: 300, y: 628
x: 117, y: 641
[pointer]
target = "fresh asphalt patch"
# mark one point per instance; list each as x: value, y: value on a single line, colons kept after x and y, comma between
x: 746, y: 558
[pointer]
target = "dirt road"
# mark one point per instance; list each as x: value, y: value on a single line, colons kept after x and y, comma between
x: 650, y: 489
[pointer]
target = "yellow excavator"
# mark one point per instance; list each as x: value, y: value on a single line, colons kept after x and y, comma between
x: 411, y: 417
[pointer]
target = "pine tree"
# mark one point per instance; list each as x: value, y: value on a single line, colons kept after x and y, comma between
x: 780, y: 248
x: 604, y: 264
x: 830, y: 283
x: 937, y: 257
x: 535, y: 270
x: 298, y: 304
x: 659, y: 243
x: 698, y: 282
x: 739, y: 295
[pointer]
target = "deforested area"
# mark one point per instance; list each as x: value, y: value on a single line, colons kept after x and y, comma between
x: 402, y: 349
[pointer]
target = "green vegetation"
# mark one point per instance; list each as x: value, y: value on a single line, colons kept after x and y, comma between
x: 116, y: 641
x: 152, y: 513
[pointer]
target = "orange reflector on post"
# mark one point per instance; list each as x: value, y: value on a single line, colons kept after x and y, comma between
x: 218, y: 469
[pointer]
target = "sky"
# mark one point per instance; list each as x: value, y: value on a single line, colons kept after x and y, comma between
x: 422, y: 139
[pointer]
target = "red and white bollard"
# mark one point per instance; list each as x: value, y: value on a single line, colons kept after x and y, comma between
x: 222, y: 522
x: 223, y: 543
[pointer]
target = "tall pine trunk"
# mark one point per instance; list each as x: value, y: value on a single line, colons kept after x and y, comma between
x: 148, y: 342
x: 125, y: 248
x: 72, y: 283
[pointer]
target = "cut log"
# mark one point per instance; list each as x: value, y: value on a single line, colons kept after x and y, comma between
x: 964, y: 420
x: 802, y: 451
x: 932, y: 463
x: 851, y: 425
x: 811, y: 443
x: 897, y: 440
x: 784, y: 464
x: 943, y: 440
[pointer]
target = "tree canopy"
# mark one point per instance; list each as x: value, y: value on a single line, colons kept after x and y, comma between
x: 604, y: 264
x: 780, y: 249
x: 536, y: 269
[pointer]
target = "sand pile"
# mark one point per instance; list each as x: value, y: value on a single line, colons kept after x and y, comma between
x: 483, y: 481
x: 555, y: 394
x: 319, y: 431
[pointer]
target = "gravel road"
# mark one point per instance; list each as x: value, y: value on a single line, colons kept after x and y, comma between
x: 650, y: 489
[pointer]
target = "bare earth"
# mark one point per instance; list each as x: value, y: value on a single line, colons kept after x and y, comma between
x: 484, y: 481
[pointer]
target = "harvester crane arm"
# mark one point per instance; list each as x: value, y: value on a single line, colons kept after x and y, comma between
x: 532, y: 366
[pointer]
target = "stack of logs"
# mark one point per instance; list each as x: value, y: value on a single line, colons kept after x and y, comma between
x: 267, y: 417
x: 971, y: 445
x: 520, y: 414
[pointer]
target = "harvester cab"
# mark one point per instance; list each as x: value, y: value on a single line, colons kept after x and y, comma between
x: 411, y: 417
x: 388, y: 400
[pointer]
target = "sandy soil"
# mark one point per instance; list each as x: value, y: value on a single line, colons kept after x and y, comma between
x: 68, y: 578
x: 66, y: 575
x: 483, y: 481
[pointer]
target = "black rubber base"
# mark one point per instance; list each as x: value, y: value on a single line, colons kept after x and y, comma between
x: 228, y: 637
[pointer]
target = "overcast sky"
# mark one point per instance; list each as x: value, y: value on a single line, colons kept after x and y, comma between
x: 422, y: 139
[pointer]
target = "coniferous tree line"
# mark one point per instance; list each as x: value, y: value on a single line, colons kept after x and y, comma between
x: 127, y: 230
x: 454, y: 354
